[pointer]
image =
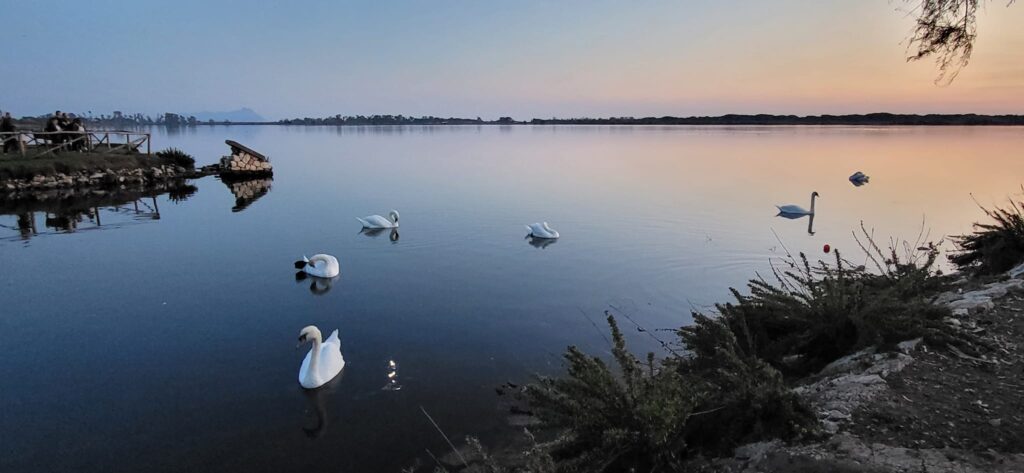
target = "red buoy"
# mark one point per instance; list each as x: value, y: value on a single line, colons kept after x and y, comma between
x: 827, y: 248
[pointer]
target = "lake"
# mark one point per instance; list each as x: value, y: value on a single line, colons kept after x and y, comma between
x: 161, y: 338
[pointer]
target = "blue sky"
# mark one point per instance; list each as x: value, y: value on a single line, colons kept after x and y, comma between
x: 462, y: 58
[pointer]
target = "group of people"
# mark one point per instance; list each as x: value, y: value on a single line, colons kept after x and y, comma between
x: 60, y: 129
x: 68, y: 129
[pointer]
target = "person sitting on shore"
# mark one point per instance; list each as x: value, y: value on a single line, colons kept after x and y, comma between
x: 75, y: 130
x: 7, y: 126
x: 53, y: 125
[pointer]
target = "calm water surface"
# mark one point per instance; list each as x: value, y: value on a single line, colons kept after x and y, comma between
x: 167, y: 344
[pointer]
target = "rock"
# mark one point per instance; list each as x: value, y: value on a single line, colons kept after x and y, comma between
x: 1017, y: 271
x: 756, y: 452
x: 849, y: 363
x: 908, y: 346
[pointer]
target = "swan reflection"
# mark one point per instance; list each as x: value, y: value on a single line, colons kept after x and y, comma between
x: 315, y: 415
x: 540, y: 242
x: 376, y: 232
x: 318, y: 286
x: 810, y: 220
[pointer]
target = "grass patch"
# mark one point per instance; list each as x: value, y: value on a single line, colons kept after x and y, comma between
x: 994, y: 247
x: 14, y: 166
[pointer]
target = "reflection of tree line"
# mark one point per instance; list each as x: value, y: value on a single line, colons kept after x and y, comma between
x: 67, y: 212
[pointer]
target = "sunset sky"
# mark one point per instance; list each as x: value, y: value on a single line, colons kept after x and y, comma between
x: 488, y: 59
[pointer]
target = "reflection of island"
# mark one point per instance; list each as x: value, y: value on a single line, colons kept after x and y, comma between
x: 247, y: 191
x: 376, y: 232
x: 66, y: 211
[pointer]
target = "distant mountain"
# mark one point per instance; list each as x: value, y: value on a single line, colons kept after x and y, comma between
x: 244, y: 114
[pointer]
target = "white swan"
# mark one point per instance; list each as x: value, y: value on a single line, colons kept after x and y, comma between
x: 796, y: 209
x: 321, y: 266
x: 541, y: 230
x: 376, y: 221
x: 324, y: 360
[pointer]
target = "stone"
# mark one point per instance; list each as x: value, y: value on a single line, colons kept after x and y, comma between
x: 908, y: 346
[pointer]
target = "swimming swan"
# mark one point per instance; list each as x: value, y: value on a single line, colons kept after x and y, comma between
x: 321, y: 266
x: 541, y: 230
x: 324, y: 360
x: 376, y: 221
x: 787, y: 210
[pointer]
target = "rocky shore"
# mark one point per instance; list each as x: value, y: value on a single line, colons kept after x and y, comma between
x: 96, y: 180
x: 917, y: 409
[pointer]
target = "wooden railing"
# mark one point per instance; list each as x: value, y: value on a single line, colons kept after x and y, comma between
x: 43, y: 143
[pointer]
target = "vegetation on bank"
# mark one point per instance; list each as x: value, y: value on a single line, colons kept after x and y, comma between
x: 729, y: 387
x: 994, y: 247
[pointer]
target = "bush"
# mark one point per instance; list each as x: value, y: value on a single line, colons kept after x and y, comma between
x: 813, y: 315
x: 177, y: 157
x: 652, y: 416
x: 994, y: 247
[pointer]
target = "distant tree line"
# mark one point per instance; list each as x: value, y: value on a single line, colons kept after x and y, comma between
x: 339, y: 120
x: 119, y: 119
x: 764, y: 119
x: 731, y: 119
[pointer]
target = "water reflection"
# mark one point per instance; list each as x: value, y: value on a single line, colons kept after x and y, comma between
x: 392, y: 374
x: 541, y: 243
x: 318, y: 286
x: 247, y: 191
x: 315, y: 415
x: 810, y: 220
x: 376, y: 232
x: 69, y: 210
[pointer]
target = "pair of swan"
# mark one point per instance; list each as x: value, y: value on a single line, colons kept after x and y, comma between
x: 326, y: 266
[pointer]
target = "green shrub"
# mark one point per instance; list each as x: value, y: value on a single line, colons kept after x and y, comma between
x: 994, y: 247
x: 652, y: 416
x: 177, y: 157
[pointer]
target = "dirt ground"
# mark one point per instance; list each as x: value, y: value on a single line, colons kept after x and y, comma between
x: 947, y: 399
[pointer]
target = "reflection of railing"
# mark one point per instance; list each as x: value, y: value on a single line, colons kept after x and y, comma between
x: 42, y: 143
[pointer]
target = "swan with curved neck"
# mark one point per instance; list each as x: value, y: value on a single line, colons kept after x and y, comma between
x: 320, y: 265
x: 542, y: 230
x: 796, y: 209
x: 324, y: 360
x: 376, y: 221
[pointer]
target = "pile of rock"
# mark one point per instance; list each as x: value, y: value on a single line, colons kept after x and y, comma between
x: 244, y: 161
